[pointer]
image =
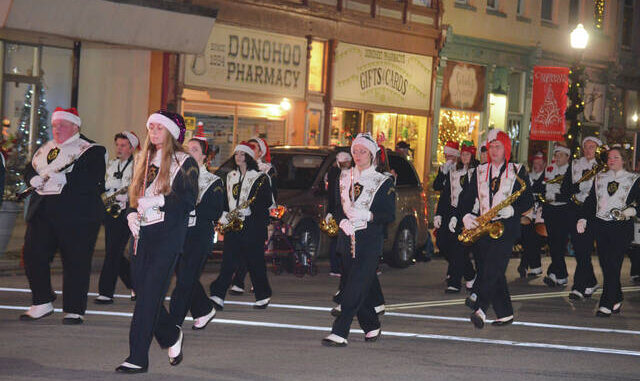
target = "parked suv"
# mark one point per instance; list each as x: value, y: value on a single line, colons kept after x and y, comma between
x: 301, y: 184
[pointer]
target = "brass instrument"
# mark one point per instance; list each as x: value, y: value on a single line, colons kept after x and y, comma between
x: 616, y: 213
x: 111, y: 205
x: 331, y: 228
x: 485, y: 226
x: 601, y: 166
x: 556, y: 180
x: 236, y: 223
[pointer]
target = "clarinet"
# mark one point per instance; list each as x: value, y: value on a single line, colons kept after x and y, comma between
x: 353, y: 237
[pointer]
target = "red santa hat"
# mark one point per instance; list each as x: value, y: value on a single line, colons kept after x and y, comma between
x: 538, y: 156
x: 247, y: 148
x: 452, y: 148
x: 133, y: 138
x: 68, y: 114
x: 593, y: 139
x: 502, y: 137
x: 467, y: 146
x: 265, y: 152
x: 200, y: 136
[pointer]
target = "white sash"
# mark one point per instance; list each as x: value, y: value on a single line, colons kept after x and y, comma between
x: 233, y: 178
x: 370, y: 181
x: 155, y: 215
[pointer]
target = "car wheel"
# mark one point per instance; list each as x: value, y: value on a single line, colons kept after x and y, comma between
x: 404, y: 247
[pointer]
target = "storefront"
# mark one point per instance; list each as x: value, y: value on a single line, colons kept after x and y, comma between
x: 385, y: 93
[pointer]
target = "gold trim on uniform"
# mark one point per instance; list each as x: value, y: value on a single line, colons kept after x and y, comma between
x: 53, y: 154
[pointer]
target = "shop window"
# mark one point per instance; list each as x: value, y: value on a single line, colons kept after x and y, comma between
x: 546, y: 11
x: 456, y: 125
x: 515, y: 92
x: 627, y: 23
x: 513, y: 130
x: 316, y: 67
x: 313, y: 134
x: 492, y: 4
x: 521, y: 8
x: 345, y: 125
x: 497, y: 111
x: 421, y: 3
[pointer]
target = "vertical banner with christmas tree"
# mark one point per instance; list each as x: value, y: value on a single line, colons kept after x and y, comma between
x: 550, y: 85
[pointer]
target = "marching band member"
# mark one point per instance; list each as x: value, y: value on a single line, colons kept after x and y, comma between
x: 491, y: 184
x: 245, y: 185
x: 162, y: 194
x: 531, y: 241
x: 584, y: 280
x: 263, y: 155
x: 116, y: 230
x: 612, y: 203
x: 556, y: 217
x: 343, y: 162
x: 65, y: 212
x: 459, y: 255
x: 189, y: 293
x: 362, y: 225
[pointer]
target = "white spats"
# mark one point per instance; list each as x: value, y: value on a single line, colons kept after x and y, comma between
x: 73, y: 316
x: 175, y: 349
x: 336, y: 339
x: 262, y: 303
x: 237, y: 289
x: 469, y: 284
x: 379, y: 309
x: 372, y: 334
x: 130, y: 365
x: 217, y: 300
x: 38, y: 311
x: 202, y: 321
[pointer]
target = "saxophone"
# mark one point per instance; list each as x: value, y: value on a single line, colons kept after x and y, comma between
x: 236, y: 223
x: 601, y: 166
x: 331, y: 227
x: 110, y: 203
x: 485, y: 225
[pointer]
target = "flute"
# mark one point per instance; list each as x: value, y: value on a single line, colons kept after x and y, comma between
x: 142, y: 189
x: 353, y: 237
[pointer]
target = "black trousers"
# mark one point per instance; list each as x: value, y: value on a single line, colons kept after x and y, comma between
x: 152, y: 268
x: 445, y: 241
x: 532, y: 244
x: 613, y: 239
x: 377, y: 297
x: 584, y: 276
x: 360, y: 295
x: 116, y: 236
x: 634, y: 257
x: 558, y: 220
x: 240, y: 274
x: 189, y: 295
x: 460, y: 264
x: 494, y: 255
x: 76, y: 241
x: 238, y: 248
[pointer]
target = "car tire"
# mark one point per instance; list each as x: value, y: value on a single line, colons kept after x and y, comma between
x: 404, y: 247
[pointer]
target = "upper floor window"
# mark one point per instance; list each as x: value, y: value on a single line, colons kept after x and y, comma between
x: 492, y: 4
x: 462, y: 1
x: 520, y: 10
x: 546, y: 11
x: 627, y: 23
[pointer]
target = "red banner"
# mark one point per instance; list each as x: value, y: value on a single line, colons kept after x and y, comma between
x: 550, y: 85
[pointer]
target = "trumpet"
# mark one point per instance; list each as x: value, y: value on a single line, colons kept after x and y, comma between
x: 236, y: 223
x: 617, y: 214
x: 330, y: 227
x: 110, y: 203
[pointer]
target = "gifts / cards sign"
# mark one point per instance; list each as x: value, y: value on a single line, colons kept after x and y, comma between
x: 549, y: 103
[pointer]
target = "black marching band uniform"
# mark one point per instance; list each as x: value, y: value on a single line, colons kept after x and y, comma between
x: 488, y: 187
x: 246, y: 245
x: 532, y: 242
x: 557, y: 219
x: 584, y: 279
x: 373, y: 192
x: 64, y: 213
x: 611, y: 190
x: 161, y: 239
x: 116, y: 229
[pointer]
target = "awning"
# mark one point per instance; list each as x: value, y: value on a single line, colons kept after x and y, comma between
x: 149, y: 24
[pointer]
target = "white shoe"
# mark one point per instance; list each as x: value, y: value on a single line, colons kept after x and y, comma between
x: 334, y: 340
x: 175, y: 351
x: 535, y: 272
x: 202, y: 321
x: 217, y: 300
x: 378, y: 309
x: 469, y: 284
x: 590, y: 290
x: 262, y: 304
x: 236, y: 290
x: 37, y: 311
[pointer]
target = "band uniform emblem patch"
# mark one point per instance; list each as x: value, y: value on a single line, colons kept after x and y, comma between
x: 357, y: 190
x: 53, y: 154
x: 151, y: 175
x: 495, y: 185
x: 462, y: 180
x: 584, y: 171
x: 235, y: 191
x: 612, y: 187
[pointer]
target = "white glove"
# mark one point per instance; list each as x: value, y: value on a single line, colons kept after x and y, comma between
x: 347, y: 227
x: 224, y: 218
x: 243, y: 213
x: 328, y: 217
x: 36, y: 181
x: 506, y: 212
x: 581, y: 226
x: 629, y: 212
x: 145, y: 203
x: 122, y: 197
x: 447, y: 166
x: 58, y: 178
x: 469, y: 221
x: 134, y: 224
x: 437, y: 222
x: 452, y: 224
x: 359, y: 214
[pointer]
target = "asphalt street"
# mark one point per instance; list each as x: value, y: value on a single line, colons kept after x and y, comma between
x: 426, y: 335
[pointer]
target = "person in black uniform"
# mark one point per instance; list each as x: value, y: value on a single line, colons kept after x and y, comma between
x: 249, y: 197
x: 65, y: 212
x: 532, y: 242
x: 343, y: 161
x: 368, y: 202
x: 189, y: 293
x: 556, y: 215
x: 491, y: 184
x: 459, y: 255
x: 612, y: 202
x: 163, y: 192
x: 116, y: 230
x: 263, y: 158
x: 584, y: 280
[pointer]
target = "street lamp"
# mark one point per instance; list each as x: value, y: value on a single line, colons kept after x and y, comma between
x: 579, y: 37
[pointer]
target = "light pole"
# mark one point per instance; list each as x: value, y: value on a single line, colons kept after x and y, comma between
x: 579, y: 40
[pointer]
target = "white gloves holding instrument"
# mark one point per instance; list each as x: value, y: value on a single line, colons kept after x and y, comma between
x: 150, y: 202
x: 359, y: 214
x: 224, y: 218
x: 581, y: 225
x: 347, y: 227
x: 244, y: 213
x: 469, y: 221
x: 452, y: 224
x: 506, y: 212
x: 122, y: 198
x: 37, y: 181
x: 134, y: 224
x: 328, y: 217
x: 437, y: 222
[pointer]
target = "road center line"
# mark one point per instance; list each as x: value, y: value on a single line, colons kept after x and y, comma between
x: 477, y: 340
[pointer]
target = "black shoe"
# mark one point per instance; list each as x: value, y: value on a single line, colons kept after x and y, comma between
x: 335, y: 312
x: 26, y: 317
x: 452, y: 290
x: 373, y: 338
x: 331, y: 343
x: 501, y: 323
x: 129, y: 370
x: 134, y: 298
x: 477, y: 321
x: 549, y: 282
x: 602, y: 314
x: 335, y: 299
x: 103, y: 301
x: 522, y: 271
x: 72, y: 321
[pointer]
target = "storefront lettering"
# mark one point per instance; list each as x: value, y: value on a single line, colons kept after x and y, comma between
x: 379, y: 76
x: 550, y: 77
x: 263, y: 75
x: 255, y: 49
